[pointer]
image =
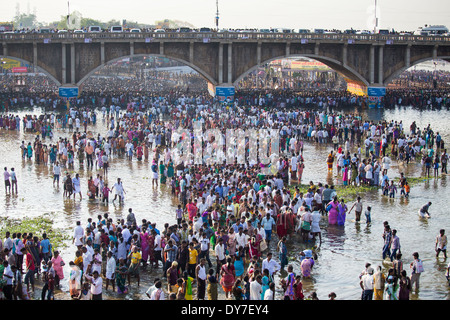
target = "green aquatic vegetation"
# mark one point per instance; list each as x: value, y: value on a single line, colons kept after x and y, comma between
x: 347, y: 193
x: 37, y: 226
x: 413, y: 181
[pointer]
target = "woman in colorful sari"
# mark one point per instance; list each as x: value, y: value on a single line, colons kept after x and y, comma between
x: 151, y: 247
x: 228, y: 276
x: 91, y: 188
x: 188, y: 282
x: 162, y: 174
x: 121, y: 277
x: 139, y: 152
x: 281, y: 225
x: 58, y: 263
x: 333, y: 211
x: 306, y: 267
x: 330, y: 160
x: 145, y: 238
x: 342, y: 211
x: 254, y: 244
x: 391, y: 291
x: 288, y: 284
x: 170, y: 170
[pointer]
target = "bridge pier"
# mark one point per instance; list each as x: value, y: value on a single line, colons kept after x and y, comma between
x: 220, y: 64
x: 102, y: 52
x: 131, y: 48
x: 344, y: 54
x: 380, y: 65
x: 63, y: 63
x: 35, y: 56
x: 72, y: 63
x: 408, y: 56
x: 230, y: 63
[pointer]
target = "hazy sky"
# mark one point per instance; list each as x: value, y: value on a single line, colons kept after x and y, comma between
x: 398, y: 14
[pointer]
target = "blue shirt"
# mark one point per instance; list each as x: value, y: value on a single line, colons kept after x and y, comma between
x: 45, y: 245
x: 267, y: 224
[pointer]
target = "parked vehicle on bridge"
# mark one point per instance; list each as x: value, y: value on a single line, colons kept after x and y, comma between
x: 78, y: 31
x: 350, y: 31
x: 135, y: 30
x: 304, y: 31
x: 205, y: 29
x: 184, y: 29
x: 363, y: 32
x: 319, y: 31
x: 264, y: 30
x: 159, y: 30
x: 116, y: 29
x: 44, y: 30
x: 94, y: 29
x: 383, y: 31
x: 431, y: 30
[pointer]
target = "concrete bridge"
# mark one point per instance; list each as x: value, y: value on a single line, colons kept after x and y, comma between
x: 224, y: 58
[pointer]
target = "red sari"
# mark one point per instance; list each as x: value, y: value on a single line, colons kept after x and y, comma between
x: 227, y: 280
x: 151, y: 246
x: 281, y: 225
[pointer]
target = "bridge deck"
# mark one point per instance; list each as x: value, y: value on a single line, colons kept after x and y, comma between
x: 222, y: 36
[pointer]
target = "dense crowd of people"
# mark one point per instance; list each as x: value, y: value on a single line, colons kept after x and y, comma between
x: 234, y: 219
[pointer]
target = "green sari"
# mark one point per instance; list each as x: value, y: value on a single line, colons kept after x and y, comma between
x: 121, y: 278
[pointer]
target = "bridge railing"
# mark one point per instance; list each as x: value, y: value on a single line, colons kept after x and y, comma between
x: 217, y: 36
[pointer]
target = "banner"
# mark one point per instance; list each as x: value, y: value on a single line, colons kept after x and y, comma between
x: 7, y: 63
x: 225, y: 93
x: 19, y: 70
x: 68, y: 92
x: 355, y: 87
x: 211, y: 89
x: 376, y: 95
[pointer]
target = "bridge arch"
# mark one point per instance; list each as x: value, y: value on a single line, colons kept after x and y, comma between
x: 343, y: 70
x: 41, y: 70
x: 194, y: 67
x: 403, y: 69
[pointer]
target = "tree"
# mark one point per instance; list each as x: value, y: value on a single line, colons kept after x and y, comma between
x: 22, y: 20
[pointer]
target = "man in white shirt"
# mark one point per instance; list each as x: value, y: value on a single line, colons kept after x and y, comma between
x: 87, y: 259
x: 219, y: 251
x: 157, y: 248
x: 269, y: 294
x: 56, y: 173
x: 96, y: 285
x: 366, y: 284
x: 270, y: 264
x: 78, y: 235
x: 241, y: 238
x: 256, y: 288
x: 110, y: 270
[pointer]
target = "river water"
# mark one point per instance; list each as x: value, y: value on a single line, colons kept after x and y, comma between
x: 344, y: 250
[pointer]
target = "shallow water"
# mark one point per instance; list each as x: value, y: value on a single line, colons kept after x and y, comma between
x: 344, y: 250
